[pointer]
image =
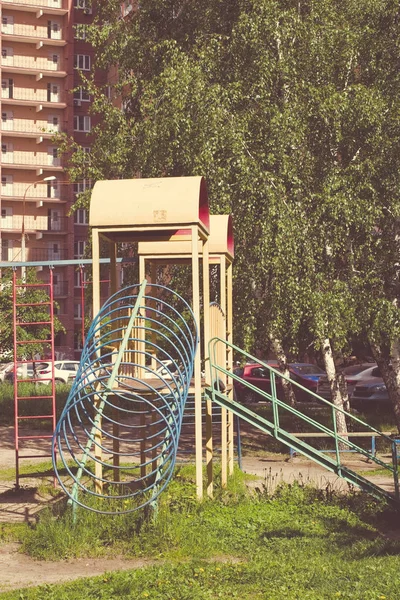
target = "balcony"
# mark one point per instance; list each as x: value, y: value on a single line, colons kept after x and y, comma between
x: 40, y: 192
x: 48, y: 6
x: 30, y: 96
x: 57, y: 224
x: 14, y: 223
x: 27, y: 64
x: 29, y: 127
x: 45, y: 254
x: 20, y: 32
x: 19, y: 159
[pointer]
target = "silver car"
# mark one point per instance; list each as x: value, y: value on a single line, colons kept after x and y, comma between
x: 353, y: 375
x: 370, y: 392
x: 24, y: 372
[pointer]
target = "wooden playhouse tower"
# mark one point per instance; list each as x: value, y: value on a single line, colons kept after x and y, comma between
x: 169, y: 219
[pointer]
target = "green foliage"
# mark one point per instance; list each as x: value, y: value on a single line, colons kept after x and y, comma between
x: 25, y: 314
x: 290, y: 111
x: 28, y: 390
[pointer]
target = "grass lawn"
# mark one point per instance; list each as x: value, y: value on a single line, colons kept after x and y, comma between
x: 300, y: 543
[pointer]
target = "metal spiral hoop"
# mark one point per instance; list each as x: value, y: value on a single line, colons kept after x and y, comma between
x: 118, y: 434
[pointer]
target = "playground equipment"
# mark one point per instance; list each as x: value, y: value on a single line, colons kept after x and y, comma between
x: 124, y: 414
x: 274, y: 428
x: 117, y: 437
x: 173, y: 209
x: 30, y: 337
x: 178, y: 250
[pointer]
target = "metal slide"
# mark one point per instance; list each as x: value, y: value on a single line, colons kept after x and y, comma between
x: 280, y: 411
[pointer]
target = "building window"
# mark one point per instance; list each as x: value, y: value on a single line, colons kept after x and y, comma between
x: 5, y: 148
x: 81, y: 217
x: 78, y: 340
x: 6, y: 249
x: 82, y: 123
x: 81, y: 95
x: 7, y: 85
x: 83, y: 5
x: 53, y: 93
x: 80, y: 31
x: 81, y: 186
x: 79, y: 248
x: 79, y: 279
x: 77, y: 311
x: 52, y: 189
x: 59, y: 308
x: 82, y: 61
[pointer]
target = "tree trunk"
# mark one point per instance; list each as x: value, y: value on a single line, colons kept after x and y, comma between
x: 390, y: 368
x: 287, y: 387
x: 336, y: 384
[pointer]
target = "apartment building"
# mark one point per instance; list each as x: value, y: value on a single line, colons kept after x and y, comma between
x: 43, y: 52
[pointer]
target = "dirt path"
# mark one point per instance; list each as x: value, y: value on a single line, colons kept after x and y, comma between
x: 18, y: 570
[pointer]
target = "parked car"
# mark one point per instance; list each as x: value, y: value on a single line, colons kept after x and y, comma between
x: 64, y: 371
x: 4, y: 369
x: 305, y: 374
x: 353, y: 374
x: 370, y: 393
x: 308, y: 376
x: 164, y: 369
x: 24, y: 371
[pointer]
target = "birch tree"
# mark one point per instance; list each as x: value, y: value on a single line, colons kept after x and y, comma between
x: 290, y: 110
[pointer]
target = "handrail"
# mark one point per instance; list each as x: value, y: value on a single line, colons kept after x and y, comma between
x: 277, y: 403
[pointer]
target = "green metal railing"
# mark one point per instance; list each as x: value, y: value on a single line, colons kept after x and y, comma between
x: 279, y: 407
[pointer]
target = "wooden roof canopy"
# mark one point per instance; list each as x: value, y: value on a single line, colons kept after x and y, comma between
x: 124, y: 206
x: 221, y: 236
x: 220, y: 241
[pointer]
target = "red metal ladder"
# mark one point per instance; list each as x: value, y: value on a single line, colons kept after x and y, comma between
x: 27, y: 409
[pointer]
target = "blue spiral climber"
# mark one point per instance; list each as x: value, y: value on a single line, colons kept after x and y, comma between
x: 117, y: 437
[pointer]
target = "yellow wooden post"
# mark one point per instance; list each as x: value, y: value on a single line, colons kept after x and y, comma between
x: 224, y: 412
x: 96, y: 308
x: 143, y: 470
x: 229, y: 337
x: 96, y: 270
x: 206, y: 338
x: 197, y: 363
x: 116, y: 429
